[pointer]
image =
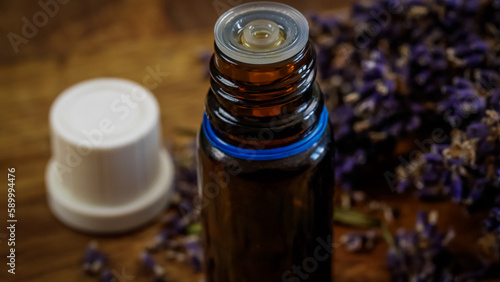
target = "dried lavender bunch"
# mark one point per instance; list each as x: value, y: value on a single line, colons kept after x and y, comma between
x: 395, y: 68
x: 467, y: 170
x: 383, y: 71
x: 420, y: 254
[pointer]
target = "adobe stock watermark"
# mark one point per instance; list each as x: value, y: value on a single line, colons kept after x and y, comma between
x: 120, y: 109
x: 322, y: 252
x: 438, y: 136
x: 372, y: 28
x: 123, y: 276
x: 30, y: 27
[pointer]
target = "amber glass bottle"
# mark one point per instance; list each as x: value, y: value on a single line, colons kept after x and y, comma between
x: 265, y: 158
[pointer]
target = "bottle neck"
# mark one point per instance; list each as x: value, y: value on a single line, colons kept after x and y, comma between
x: 264, y: 106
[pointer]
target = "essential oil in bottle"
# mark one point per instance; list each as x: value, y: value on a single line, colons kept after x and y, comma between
x: 265, y: 152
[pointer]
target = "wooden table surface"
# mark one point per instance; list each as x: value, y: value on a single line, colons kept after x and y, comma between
x: 87, y: 39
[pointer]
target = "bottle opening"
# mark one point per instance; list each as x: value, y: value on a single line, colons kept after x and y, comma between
x: 261, y: 32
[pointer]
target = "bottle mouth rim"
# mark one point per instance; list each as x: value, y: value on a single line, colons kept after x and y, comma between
x: 231, y: 26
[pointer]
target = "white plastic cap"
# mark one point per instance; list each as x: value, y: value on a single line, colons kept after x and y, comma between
x: 109, y: 172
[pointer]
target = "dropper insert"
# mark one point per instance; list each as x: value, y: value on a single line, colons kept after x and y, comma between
x: 262, y: 34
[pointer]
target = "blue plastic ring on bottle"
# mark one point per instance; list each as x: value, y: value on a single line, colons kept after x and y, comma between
x: 266, y: 154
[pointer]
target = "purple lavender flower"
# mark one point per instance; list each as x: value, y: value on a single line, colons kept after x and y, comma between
x: 325, y: 25
x: 463, y: 104
x: 480, y: 131
x: 420, y: 254
x: 91, y: 253
x: 490, y: 242
x: 194, y: 252
x: 456, y: 187
x: 107, y: 276
x: 93, y: 259
x: 347, y: 168
x: 494, y: 100
x: 160, y: 241
x: 359, y: 241
x: 150, y: 264
x: 488, y: 79
x: 469, y: 52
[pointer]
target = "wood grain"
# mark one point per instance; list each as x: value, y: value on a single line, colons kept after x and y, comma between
x: 88, y: 39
